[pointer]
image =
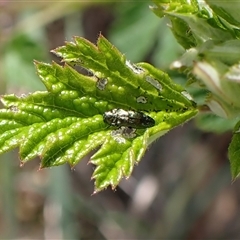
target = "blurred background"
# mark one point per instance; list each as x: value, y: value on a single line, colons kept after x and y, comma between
x: 181, y: 189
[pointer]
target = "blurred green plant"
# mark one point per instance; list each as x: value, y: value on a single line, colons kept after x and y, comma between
x: 209, y: 31
x: 68, y: 121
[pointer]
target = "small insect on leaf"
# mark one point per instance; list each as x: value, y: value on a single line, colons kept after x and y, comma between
x: 120, y: 117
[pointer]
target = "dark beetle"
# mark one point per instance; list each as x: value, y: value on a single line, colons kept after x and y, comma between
x: 119, y: 117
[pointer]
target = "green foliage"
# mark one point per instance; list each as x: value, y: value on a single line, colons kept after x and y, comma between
x: 64, y: 123
x: 211, y: 122
x: 209, y: 31
x: 17, y: 54
x: 125, y: 32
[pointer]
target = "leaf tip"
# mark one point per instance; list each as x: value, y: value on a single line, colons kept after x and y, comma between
x: 233, y: 180
x: 100, y: 34
x: 54, y: 51
x: 235, y: 177
x: 36, y: 62
x: 114, y: 187
x: 72, y: 167
x: 41, y: 166
x: 89, y: 162
x: 57, y: 51
x: 21, y: 164
x: 95, y: 192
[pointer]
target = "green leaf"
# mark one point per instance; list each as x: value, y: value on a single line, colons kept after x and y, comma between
x: 234, y: 152
x: 227, y: 10
x: 65, y: 123
x: 210, y: 31
x: 193, y: 22
x: 180, y: 28
x: 223, y: 83
x: 212, y: 123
